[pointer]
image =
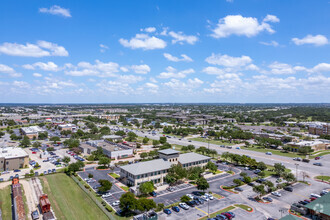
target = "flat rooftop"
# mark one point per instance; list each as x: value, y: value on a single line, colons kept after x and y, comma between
x: 191, y: 157
x: 32, y: 129
x: 168, y: 151
x: 147, y: 167
x: 12, y: 152
x: 106, y: 145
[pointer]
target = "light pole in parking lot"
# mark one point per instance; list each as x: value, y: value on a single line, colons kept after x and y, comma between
x: 296, y: 170
x: 282, y: 211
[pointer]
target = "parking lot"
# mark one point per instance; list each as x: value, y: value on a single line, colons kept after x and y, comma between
x: 115, y: 191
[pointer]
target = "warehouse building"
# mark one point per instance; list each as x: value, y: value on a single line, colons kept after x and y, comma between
x: 32, y: 131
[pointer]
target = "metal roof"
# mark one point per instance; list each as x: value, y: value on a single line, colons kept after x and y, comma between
x: 321, y: 204
x: 191, y: 157
x: 168, y: 151
x: 147, y: 167
x: 289, y: 217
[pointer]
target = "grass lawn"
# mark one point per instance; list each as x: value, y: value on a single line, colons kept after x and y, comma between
x: 219, y: 212
x: 319, y: 153
x: 326, y: 178
x: 276, y: 152
x: 126, y: 188
x: 245, y: 207
x: 68, y: 200
x: 5, y: 199
x: 114, y: 175
x: 219, y: 142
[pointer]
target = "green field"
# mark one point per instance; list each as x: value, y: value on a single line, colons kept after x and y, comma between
x: 5, y: 205
x: 245, y: 207
x: 68, y: 200
x: 276, y: 152
x: 218, y: 142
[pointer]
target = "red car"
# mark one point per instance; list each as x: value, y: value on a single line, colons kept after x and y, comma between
x: 229, y: 216
x: 317, y: 158
x: 33, y: 152
x: 312, y: 198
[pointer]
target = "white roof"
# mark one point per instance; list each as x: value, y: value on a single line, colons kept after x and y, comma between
x: 12, y: 152
x: 306, y: 143
x: 147, y: 167
x: 168, y: 151
x: 32, y: 129
x: 191, y: 157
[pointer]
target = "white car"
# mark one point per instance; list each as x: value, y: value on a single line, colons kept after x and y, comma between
x: 190, y: 196
x: 209, y: 196
x: 205, y: 198
x: 184, y: 206
x: 276, y: 194
x: 116, y: 203
x: 106, y: 195
x: 315, y: 195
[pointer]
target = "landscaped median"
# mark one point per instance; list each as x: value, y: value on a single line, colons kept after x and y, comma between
x: 214, y: 214
x: 114, y: 175
x: 323, y: 178
x: 228, y: 189
x: 245, y: 207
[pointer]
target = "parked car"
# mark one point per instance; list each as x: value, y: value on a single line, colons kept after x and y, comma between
x: 251, y: 184
x: 153, y: 194
x: 315, y: 195
x: 191, y: 203
x: 232, y: 214
x: 106, y: 195
x: 288, y: 188
x: 17, y: 170
x: 221, y: 217
x: 305, y: 160
x: 317, y: 158
x: 176, y: 209
x: 238, y: 189
x: 303, y: 202
x: 116, y: 203
x: 268, y: 153
x: 167, y: 211
x: 268, y: 199
x: 317, y: 164
x: 261, y: 180
x: 190, y: 196
x: 183, y: 206
x: 257, y: 171
x: 209, y: 196
x: 229, y: 216
x: 297, y: 159
x: 276, y: 194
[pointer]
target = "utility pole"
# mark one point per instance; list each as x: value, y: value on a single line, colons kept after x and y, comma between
x: 296, y: 170
x: 208, y: 208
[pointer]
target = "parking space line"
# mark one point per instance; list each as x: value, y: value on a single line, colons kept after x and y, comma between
x: 201, y: 210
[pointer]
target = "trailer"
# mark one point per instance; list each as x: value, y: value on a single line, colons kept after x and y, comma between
x: 17, y: 198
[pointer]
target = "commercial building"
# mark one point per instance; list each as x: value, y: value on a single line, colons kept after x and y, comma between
x: 67, y: 127
x: 319, y: 128
x: 32, y: 131
x: 111, y: 149
x: 12, y: 158
x: 113, y: 137
x: 315, y: 145
x: 156, y: 170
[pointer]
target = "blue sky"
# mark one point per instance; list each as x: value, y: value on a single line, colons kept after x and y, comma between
x: 164, y: 51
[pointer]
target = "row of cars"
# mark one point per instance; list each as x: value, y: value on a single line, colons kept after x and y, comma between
x: 313, y: 196
x: 75, y: 156
x: 195, y: 199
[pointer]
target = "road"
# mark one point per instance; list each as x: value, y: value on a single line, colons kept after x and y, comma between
x: 259, y: 156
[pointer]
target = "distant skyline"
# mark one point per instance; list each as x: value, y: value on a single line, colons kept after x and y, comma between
x: 216, y: 51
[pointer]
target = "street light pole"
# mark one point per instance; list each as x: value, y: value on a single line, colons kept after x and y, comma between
x: 296, y: 170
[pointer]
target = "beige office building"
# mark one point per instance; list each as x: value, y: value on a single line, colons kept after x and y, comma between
x: 12, y: 158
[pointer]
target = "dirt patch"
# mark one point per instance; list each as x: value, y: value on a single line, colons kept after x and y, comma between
x: 30, y: 200
x: 4, y: 184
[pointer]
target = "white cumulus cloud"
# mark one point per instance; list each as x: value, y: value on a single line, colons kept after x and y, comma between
x: 173, y: 73
x: 56, y: 10
x: 228, y: 61
x: 242, y: 26
x: 317, y: 40
x: 141, y: 69
x: 8, y: 70
x: 180, y: 37
x: 40, y: 49
x: 143, y: 41
x: 49, y: 66
x: 184, y: 58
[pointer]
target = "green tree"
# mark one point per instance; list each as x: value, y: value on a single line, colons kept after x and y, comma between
x: 247, y: 179
x: 144, y: 155
x: 191, y: 147
x: 128, y: 202
x: 211, y: 166
x: 105, y: 185
x: 55, y: 139
x: 155, y: 142
x: 26, y: 141
x: 146, y: 188
x: 185, y: 198
x: 104, y: 161
x: 238, y: 182
x: 71, y: 143
x: 289, y: 177
x: 261, y: 166
x: 105, y: 130
x: 131, y: 136
x: 66, y: 159
x: 90, y: 175
x: 162, y: 140
x: 36, y: 144
x: 279, y: 169
x: 145, y: 140
x: 260, y: 189
x: 145, y: 204
x: 202, y: 184
x: 120, y: 133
